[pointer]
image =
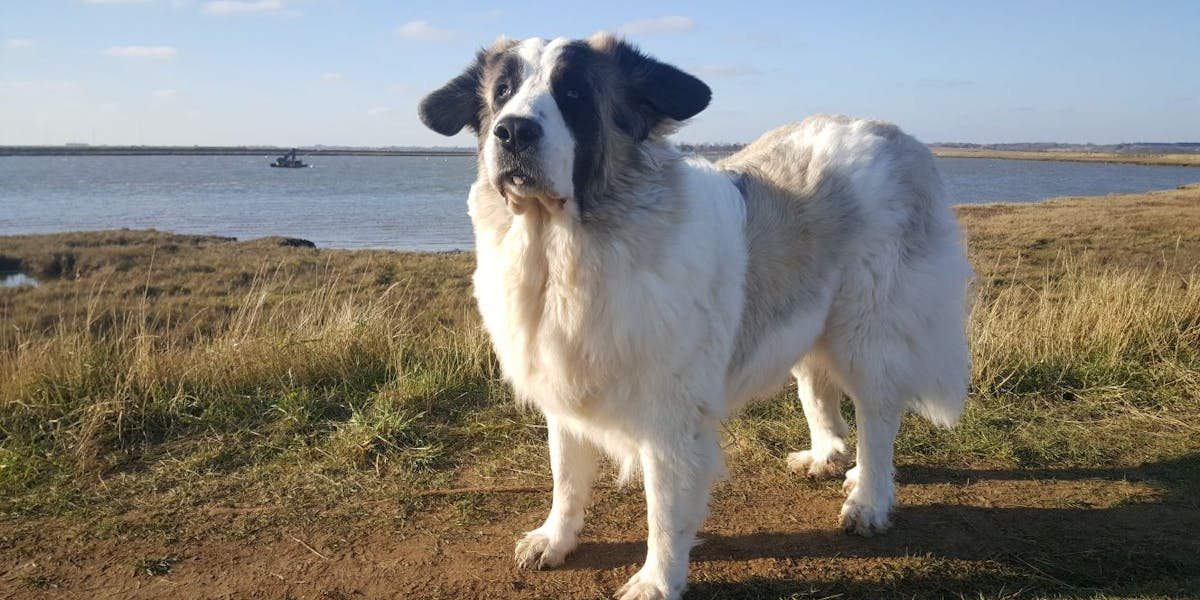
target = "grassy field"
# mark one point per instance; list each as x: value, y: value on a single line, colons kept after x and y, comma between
x: 186, y: 416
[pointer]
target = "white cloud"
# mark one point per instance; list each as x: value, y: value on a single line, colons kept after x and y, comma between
x: 331, y: 77
x: 165, y: 94
x: 668, y: 24
x: 142, y: 51
x: 423, y: 31
x: 18, y: 43
x: 230, y: 7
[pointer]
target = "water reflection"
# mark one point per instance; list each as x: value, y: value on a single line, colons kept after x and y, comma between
x: 17, y: 280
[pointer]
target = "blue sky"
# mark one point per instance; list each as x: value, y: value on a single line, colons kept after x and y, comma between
x: 300, y: 72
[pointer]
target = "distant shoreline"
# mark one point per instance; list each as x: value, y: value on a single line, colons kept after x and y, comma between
x: 222, y: 151
x: 1177, y: 160
x: 1171, y: 160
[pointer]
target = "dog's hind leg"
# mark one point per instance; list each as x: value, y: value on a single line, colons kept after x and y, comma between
x: 678, y: 469
x: 820, y: 397
x: 573, y: 463
x: 870, y: 485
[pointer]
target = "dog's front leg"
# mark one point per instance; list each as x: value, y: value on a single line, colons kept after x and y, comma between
x: 573, y: 463
x: 678, y: 476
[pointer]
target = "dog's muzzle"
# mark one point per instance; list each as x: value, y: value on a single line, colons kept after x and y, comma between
x: 517, y: 134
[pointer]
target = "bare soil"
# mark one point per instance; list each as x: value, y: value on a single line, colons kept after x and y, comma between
x: 957, y: 533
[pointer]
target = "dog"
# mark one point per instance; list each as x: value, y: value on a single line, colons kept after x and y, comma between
x: 636, y: 295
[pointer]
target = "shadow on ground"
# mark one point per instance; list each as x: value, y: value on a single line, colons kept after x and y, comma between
x: 1146, y: 548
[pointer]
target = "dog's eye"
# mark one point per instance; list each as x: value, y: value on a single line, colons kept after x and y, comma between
x: 502, y: 91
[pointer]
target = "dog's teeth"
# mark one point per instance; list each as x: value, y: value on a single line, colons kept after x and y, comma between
x: 517, y: 179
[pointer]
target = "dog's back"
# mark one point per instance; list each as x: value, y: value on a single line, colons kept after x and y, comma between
x: 857, y: 206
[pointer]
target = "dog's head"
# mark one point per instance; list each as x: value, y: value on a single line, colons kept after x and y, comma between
x: 556, y: 119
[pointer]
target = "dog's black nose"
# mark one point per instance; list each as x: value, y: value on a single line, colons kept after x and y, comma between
x: 517, y: 133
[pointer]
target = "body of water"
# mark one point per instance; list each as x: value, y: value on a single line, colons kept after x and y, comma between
x: 403, y: 202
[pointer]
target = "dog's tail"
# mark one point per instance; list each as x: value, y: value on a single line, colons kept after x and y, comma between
x: 941, y: 361
x: 942, y: 395
x: 943, y: 409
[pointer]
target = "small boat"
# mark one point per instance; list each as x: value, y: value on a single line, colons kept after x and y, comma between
x: 289, y: 161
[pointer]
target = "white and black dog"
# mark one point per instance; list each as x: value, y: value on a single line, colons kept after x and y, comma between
x: 637, y: 295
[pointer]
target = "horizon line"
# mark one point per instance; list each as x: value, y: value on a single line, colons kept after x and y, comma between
x: 86, y: 145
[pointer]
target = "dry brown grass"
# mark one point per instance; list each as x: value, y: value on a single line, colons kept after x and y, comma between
x: 187, y: 285
x: 1025, y: 243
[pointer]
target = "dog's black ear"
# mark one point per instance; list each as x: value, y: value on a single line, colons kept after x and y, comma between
x: 457, y: 104
x: 657, y: 90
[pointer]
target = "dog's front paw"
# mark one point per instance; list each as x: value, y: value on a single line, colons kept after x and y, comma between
x: 865, y: 519
x: 818, y: 465
x: 640, y: 587
x: 536, y: 550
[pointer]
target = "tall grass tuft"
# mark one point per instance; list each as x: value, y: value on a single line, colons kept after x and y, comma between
x: 1094, y: 366
x: 1087, y: 330
x: 295, y: 365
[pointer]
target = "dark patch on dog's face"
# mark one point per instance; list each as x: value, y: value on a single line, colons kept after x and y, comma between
x: 464, y: 101
x: 500, y: 83
x: 577, y: 88
x: 620, y: 97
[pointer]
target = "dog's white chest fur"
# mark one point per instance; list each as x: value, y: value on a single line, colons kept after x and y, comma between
x: 536, y: 311
x: 585, y: 323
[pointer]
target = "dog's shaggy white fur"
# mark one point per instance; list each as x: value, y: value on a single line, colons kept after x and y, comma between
x: 637, y: 295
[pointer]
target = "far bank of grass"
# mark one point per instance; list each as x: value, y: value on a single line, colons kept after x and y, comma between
x: 1174, y: 160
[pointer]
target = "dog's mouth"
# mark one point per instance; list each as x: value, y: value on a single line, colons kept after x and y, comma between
x: 522, y: 191
x: 518, y: 182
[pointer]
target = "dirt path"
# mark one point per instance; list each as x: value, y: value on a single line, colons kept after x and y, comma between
x: 995, y: 533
